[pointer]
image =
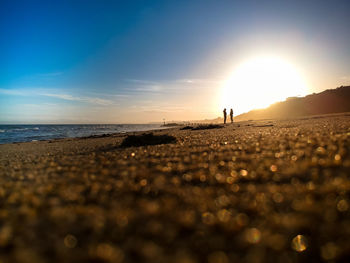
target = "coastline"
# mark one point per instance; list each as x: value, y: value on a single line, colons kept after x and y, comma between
x: 248, y: 192
x: 42, y: 132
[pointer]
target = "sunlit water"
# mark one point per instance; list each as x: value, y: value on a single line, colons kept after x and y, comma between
x: 27, y: 133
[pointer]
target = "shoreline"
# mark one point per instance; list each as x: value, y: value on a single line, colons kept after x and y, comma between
x: 79, y: 134
x: 161, y: 127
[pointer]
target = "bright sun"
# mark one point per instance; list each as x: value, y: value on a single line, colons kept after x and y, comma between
x: 259, y: 82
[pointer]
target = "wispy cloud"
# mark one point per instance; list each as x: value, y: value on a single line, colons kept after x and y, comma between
x: 50, y: 74
x: 199, y: 81
x: 13, y: 92
x: 345, y: 78
x: 92, y: 100
x: 183, y: 81
x: 109, y: 95
x: 166, y: 86
x: 119, y: 95
x: 44, y: 76
x: 141, y: 81
x: 63, y: 96
x: 39, y: 105
x: 149, y: 88
x: 158, y: 108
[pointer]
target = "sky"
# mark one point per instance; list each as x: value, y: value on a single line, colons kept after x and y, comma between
x: 144, y: 61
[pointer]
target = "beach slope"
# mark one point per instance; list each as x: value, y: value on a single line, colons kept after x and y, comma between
x: 262, y: 191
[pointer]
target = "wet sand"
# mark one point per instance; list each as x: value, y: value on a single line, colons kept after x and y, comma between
x: 267, y: 191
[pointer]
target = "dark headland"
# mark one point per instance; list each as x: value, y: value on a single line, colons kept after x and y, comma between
x: 327, y: 102
x: 257, y: 191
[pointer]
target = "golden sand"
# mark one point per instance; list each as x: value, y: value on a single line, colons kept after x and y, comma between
x: 268, y: 191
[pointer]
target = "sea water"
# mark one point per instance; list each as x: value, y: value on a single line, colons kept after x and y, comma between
x: 27, y: 133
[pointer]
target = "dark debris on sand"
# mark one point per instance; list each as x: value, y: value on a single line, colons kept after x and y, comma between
x: 202, y: 127
x: 186, y: 128
x: 264, y: 125
x: 147, y: 139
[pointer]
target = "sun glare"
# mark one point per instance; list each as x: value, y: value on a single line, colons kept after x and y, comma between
x: 259, y: 82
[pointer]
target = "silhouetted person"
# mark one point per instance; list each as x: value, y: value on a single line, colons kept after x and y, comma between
x: 231, y: 115
x: 225, y: 115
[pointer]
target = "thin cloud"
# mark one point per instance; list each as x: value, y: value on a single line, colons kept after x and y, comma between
x: 92, y: 100
x: 159, y: 108
x: 50, y: 74
x: 169, y: 86
x: 199, y: 81
x: 141, y: 81
x: 86, y: 99
x: 144, y: 85
x: 120, y: 95
x: 346, y: 78
x: 13, y: 92
x: 114, y: 95
x: 39, y: 105
x: 184, y: 80
x: 166, y: 86
x: 149, y: 88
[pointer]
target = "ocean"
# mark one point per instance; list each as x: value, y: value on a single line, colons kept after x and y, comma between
x: 28, y: 133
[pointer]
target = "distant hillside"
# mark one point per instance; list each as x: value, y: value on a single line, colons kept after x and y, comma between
x: 329, y: 101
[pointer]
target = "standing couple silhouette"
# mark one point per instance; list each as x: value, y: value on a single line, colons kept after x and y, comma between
x: 225, y: 115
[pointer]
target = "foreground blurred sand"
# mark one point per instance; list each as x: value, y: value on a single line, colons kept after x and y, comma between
x: 268, y: 191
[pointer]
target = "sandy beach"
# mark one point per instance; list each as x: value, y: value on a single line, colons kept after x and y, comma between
x: 259, y: 191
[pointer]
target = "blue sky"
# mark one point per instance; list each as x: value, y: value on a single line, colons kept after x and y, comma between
x: 140, y: 61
